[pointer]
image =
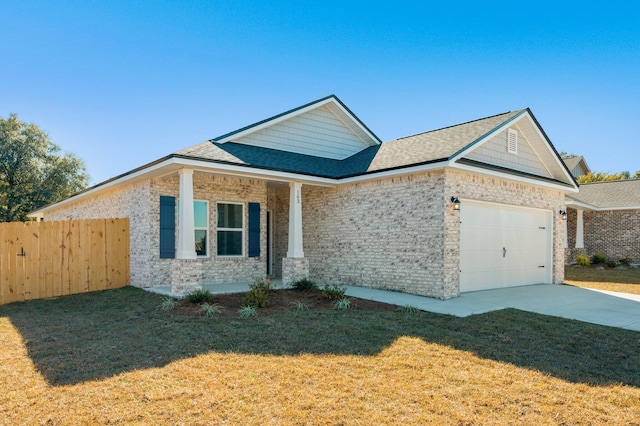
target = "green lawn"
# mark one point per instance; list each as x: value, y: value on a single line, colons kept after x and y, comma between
x: 111, y: 357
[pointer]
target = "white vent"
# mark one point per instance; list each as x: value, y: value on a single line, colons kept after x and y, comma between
x: 512, y: 141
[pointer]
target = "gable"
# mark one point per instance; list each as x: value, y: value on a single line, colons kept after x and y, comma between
x: 534, y: 154
x: 325, y: 128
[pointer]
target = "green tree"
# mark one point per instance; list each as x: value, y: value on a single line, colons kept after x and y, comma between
x: 33, y: 171
x: 606, y: 177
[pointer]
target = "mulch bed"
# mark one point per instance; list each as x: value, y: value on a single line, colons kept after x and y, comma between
x: 280, y: 301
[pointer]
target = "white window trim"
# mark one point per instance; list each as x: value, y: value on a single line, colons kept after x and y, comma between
x: 242, y: 229
x: 195, y: 228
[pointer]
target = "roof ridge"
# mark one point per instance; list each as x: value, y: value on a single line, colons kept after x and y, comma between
x: 459, y: 124
x: 274, y: 117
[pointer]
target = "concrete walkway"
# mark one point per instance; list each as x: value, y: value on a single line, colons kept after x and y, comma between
x: 598, y: 307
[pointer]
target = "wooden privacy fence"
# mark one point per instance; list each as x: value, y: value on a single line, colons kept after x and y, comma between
x: 48, y: 259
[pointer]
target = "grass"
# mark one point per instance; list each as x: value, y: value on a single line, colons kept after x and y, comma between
x: 621, y: 280
x: 112, y: 357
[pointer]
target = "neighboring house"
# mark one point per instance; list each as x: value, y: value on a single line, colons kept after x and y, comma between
x: 604, y: 217
x: 313, y: 192
x: 577, y: 165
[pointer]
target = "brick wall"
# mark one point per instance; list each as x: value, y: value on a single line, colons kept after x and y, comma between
x: 214, y: 189
x: 615, y: 233
x: 401, y: 234
x: 385, y: 233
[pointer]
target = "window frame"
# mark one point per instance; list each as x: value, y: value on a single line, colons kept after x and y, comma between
x: 196, y: 228
x: 242, y: 229
x: 200, y: 228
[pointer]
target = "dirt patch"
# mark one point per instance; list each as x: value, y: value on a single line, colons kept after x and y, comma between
x: 280, y: 301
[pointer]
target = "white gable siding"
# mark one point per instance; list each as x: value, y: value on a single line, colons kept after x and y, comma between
x: 494, y: 152
x: 317, y: 132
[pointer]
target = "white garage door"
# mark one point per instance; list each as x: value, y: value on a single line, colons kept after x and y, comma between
x: 503, y: 246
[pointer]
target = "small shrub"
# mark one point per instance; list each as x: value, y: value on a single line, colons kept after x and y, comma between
x: 408, y: 309
x: 258, y: 295
x: 625, y: 262
x: 299, y: 306
x: 333, y: 292
x: 199, y: 297
x: 599, y: 258
x: 247, y: 311
x: 583, y: 260
x: 342, y: 304
x: 304, y: 285
x: 612, y: 263
x: 209, y: 309
x: 167, y: 304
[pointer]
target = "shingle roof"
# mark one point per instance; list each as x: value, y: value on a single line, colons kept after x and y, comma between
x: 571, y: 162
x: 614, y: 194
x: 428, y: 147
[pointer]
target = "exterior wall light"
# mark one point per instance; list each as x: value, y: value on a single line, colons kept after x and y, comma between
x: 456, y: 203
x: 563, y: 213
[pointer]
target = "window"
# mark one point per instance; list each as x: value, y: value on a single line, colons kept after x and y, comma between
x: 200, y: 225
x: 230, y: 227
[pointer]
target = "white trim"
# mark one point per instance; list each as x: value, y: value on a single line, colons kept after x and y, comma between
x: 274, y: 121
x: 206, y: 229
x: 508, y: 176
x: 269, y: 254
x: 575, y: 204
x: 242, y: 229
x: 514, y: 121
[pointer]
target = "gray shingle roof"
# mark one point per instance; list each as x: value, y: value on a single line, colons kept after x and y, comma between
x: 428, y: 147
x: 571, y: 162
x: 615, y: 194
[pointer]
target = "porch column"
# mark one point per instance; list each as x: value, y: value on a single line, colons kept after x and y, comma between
x: 295, y: 267
x: 579, y: 229
x: 566, y: 231
x: 186, y: 238
x: 295, y: 220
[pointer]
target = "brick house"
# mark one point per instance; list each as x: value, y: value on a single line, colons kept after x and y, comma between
x: 313, y: 192
x: 604, y: 217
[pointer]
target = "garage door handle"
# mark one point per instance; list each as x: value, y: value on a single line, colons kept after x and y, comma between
x: 504, y: 252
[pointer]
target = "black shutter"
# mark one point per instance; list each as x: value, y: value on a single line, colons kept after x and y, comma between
x: 167, y: 227
x: 254, y: 229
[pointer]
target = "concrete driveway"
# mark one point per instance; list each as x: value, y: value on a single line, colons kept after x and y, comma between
x: 598, y: 307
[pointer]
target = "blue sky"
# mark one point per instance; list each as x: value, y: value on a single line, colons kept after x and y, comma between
x: 121, y: 84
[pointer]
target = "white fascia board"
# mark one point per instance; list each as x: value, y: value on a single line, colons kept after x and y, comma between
x: 508, y: 176
x: 396, y: 172
x: 557, y: 158
x: 356, y: 121
x: 575, y: 204
x: 250, y: 172
x: 513, y: 122
x: 488, y: 136
x: 173, y: 164
x: 585, y: 206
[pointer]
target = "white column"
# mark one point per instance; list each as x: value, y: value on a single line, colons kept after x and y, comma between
x: 566, y: 232
x: 186, y: 237
x: 580, y: 229
x: 295, y: 220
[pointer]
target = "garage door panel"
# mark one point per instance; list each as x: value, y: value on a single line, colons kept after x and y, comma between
x: 503, y: 246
